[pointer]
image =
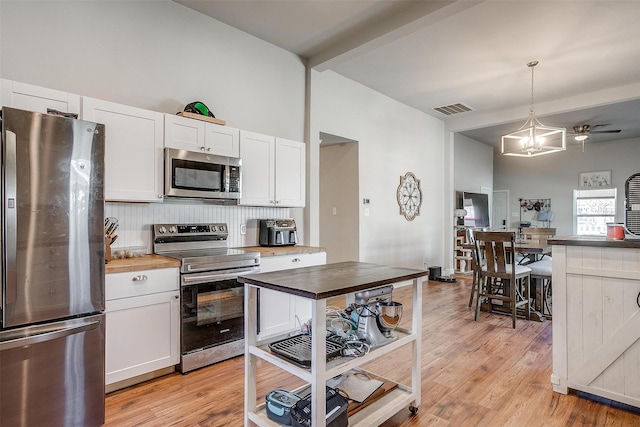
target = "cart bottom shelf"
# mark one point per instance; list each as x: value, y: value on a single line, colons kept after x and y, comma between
x: 374, y: 414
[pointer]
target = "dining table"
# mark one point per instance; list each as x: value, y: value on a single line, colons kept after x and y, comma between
x: 531, y: 251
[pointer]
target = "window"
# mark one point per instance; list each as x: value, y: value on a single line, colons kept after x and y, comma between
x: 592, y: 210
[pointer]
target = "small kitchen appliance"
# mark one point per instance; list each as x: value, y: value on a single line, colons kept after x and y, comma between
x: 337, y: 406
x: 202, y: 175
x: 278, y: 232
x: 278, y: 405
x: 378, y: 315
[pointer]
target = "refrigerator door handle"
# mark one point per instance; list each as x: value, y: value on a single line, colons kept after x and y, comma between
x: 11, y: 215
x: 31, y: 339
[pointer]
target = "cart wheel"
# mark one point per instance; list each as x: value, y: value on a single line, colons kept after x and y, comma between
x: 413, y: 410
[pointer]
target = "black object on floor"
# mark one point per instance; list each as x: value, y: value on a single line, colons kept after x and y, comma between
x: 447, y: 279
x: 434, y: 272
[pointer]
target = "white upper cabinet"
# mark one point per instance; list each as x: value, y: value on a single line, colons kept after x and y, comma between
x: 188, y: 134
x: 221, y: 140
x: 273, y: 171
x: 36, y: 98
x: 258, y: 153
x: 290, y: 173
x: 133, y: 151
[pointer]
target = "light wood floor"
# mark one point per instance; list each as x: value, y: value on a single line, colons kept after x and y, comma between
x: 473, y: 373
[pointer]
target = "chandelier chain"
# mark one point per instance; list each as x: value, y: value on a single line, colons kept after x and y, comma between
x: 532, y: 65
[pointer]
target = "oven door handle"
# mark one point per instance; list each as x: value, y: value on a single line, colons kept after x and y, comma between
x: 190, y: 279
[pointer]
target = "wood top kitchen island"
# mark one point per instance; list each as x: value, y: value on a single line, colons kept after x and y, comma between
x: 318, y: 283
x: 596, y: 317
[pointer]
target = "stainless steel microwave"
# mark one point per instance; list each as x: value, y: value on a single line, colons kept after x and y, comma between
x: 200, y: 175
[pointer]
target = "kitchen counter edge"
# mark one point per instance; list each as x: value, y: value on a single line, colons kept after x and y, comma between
x: 595, y: 241
x: 147, y: 262
x: 266, y: 251
x: 152, y: 261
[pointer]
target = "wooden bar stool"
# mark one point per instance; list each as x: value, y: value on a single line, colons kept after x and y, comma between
x: 499, y: 280
x: 541, y: 275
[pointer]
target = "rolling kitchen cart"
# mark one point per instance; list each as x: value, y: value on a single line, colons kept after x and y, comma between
x: 319, y: 283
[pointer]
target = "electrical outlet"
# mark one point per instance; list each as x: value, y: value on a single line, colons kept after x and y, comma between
x: 335, y: 211
x: 243, y: 229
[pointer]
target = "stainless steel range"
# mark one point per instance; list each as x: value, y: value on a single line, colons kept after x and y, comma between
x: 212, y: 300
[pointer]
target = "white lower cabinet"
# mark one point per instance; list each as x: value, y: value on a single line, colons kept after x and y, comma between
x: 143, y: 323
x: 280, y: 312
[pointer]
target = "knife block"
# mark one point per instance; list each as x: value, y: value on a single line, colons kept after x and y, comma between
x: 107, y: 249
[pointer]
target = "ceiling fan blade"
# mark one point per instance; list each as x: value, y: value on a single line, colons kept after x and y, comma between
x: 606, y: 131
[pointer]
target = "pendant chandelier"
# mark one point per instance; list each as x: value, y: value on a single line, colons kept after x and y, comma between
x: 534, y: 138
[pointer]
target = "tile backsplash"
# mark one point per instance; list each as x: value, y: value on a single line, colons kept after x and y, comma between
x: 135, y: 220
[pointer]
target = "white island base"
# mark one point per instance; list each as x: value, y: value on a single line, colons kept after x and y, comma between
x: 596, y: 318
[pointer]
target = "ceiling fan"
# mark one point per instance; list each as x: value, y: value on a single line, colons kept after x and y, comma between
x: 582, y: 132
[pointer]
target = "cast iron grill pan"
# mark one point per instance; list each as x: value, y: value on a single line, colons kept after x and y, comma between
x: 297, y: 349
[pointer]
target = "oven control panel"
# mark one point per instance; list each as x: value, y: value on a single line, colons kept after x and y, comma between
x: 189, y: 229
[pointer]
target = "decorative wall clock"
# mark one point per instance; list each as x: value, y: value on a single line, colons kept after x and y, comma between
x: 409, y: 196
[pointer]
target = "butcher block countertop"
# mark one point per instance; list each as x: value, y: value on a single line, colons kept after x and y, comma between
x: 283, y: 250
x: 147, y: 262
x: 151, y: 262
x: 324, y: 281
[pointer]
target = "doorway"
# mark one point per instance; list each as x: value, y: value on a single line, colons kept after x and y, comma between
x: 500, y: 210
x: 339, y: 195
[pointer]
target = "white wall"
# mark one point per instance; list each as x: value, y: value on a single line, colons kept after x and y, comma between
x: 158, y: 55
x: 556, y: 175
x: 472, y: 172
x: 473, y: 161
x: 392, y: 139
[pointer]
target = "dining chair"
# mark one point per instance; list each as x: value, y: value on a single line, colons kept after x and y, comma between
x: 477, y: 263
x: 498, y: 279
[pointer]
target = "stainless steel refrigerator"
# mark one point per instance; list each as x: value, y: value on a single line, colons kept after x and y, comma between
x: 52, y: 270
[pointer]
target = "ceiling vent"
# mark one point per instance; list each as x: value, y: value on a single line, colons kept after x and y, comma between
x: 456, y: 108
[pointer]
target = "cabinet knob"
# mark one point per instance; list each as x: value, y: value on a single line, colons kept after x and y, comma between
x: 139, y: 278
x: 202, y: 148
x: 638, y: 300
x: 209, y: 149
x: 176, y: 296
x: 295, y: 260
